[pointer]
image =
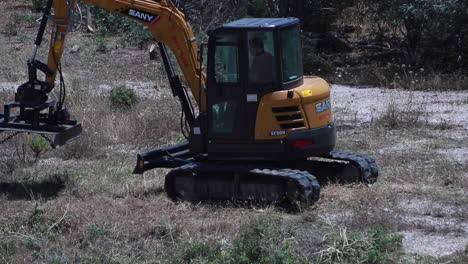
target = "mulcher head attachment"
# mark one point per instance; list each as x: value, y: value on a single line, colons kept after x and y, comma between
x: 33, y: 113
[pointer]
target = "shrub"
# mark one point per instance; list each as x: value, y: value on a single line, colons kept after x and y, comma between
x: 247, y: 248
x: 10, y: 30
x: 408, y: 116
x: 27, y: 17
x: 101, y: 43
x: 39, y: 5
x: 123, y: 98
x: 38, y: 145
x: 197, y: 250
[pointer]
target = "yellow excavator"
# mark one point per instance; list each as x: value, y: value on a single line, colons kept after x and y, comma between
x: 262, y: 131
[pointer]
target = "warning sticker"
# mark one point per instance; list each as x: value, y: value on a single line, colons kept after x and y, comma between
x: 306, y: 93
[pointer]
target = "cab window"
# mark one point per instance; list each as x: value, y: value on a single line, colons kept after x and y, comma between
x: 226, y: 58
x: 291, y: 55
x: 223, y: 116
x: 262, y: 62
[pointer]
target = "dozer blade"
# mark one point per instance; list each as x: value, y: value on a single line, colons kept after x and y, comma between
x: 168, y: 157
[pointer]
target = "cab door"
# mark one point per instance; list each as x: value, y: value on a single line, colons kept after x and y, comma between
x: 261, y: 72
x: 226, y: 109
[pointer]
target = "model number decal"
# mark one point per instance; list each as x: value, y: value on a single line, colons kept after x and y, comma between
x: 142, y: 15
x: 323, y: 106
x: 277, y: 133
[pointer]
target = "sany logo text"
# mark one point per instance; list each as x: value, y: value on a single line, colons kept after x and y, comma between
x: 144, y: 16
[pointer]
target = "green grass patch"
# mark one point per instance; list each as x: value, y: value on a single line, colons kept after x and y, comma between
x: 10, y: 29
x: 372, y: 247
x: 259, y: 242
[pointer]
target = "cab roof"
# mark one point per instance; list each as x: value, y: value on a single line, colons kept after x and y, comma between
x: 253, y: 23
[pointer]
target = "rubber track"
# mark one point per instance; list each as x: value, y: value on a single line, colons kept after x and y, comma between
x: 307, y: 183
x: 366, y: 164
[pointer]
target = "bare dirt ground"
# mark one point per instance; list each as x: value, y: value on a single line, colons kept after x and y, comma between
x: 81, y: 204
x: 363, y: 106
x: 437, y: 107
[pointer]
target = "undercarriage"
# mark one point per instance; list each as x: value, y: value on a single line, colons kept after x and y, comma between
x: 196, y: 178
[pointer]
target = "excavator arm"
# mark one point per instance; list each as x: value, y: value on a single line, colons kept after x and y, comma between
x: 166, y: 23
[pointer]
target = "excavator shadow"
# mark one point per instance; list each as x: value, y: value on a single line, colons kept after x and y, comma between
x: 47, y: 189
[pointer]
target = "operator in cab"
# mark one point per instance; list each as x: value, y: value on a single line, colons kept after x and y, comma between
x: 262, y: 69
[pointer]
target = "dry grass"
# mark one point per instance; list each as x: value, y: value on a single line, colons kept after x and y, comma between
x: 104, y: 214
x: 149, y: 124
x: 398, y: 76
x: 410, y: 116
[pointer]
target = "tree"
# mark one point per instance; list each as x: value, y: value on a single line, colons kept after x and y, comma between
x: 425, y: 27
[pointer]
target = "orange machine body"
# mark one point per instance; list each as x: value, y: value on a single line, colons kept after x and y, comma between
x: 308, y: 108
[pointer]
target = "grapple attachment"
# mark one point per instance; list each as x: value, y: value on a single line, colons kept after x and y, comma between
x: 38, y: 116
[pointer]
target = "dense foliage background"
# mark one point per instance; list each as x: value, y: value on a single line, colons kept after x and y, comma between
x: 422, y: 34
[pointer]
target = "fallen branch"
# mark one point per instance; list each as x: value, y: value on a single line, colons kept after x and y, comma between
x: 60, y: 220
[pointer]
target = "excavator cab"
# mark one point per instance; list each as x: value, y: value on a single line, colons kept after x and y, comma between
x: 261, y: 54
x: 245, y: 59
x: 254, y: 86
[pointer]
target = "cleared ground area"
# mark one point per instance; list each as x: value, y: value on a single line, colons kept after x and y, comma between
x: 81, y: 203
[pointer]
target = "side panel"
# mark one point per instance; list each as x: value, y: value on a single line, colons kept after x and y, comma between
x: 307, y: 107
